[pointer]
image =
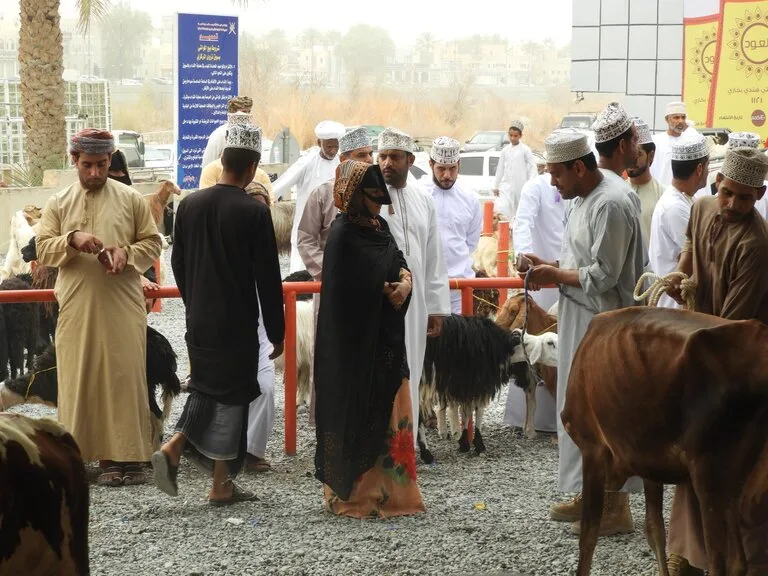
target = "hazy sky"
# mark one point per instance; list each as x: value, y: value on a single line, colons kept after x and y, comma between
x: 403, y: 19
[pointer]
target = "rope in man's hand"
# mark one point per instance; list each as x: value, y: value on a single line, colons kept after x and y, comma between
x: 660, y: 285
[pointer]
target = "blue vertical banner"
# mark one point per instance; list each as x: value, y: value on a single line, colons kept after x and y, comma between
x: 206, y: 78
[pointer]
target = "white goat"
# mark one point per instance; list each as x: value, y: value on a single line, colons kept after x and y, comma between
x: 305, y: 349
x: 23, y: 228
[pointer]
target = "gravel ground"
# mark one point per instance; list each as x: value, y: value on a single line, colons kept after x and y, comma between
x: 485, y: 515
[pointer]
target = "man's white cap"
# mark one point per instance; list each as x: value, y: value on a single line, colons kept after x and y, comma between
x: 445, y: 151
x: 743, y: 140
x: 689, y: 147
x: 746, y: 166
x: 611, y: 123
x: 329, y: 130
x: 239, y: 118
x: 354, y: 140
x: 394, y: 139
x: 643, y: 131
x: 675, y: 108
x: 565, y: 145
x: 244, y: 136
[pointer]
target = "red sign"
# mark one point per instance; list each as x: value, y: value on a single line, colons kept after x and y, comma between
x: 758, y: 118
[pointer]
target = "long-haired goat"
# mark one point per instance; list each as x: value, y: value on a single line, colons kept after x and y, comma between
x: 40, y: 385
x: 468, y: 364
x: 22, y: 326
x: 305, y: 341
x: 282, y: 221
x: 512, y: 316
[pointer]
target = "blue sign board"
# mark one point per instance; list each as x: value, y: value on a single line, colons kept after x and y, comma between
x: 206, y: 78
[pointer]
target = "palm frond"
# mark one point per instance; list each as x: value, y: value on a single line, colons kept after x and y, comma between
x: 21, y: 176
x: 90, y: 11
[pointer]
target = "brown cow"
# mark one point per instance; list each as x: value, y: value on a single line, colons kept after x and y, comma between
x: 673, y: 397
x: 43, y: 500
x: 512, y: 316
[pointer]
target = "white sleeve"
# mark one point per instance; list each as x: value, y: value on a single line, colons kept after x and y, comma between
x: 214, y: 148
x: 500, y: 167
x: 437, y: 292
x: 676, y: 223
x: 522, y: 231
x: 533, y: 171
x: 475, y: 227
x: 289, y: 178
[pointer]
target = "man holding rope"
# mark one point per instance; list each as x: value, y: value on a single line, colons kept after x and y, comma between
x: 726, y: 256
x: 600, y: 262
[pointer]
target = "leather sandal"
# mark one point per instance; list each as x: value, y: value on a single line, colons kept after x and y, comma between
x: 238, y: 495
x: 111, y: 476
x: 134, y: 474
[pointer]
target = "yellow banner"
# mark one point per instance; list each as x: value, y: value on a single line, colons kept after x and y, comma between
x: 739, y: 97
x: 700, y: 44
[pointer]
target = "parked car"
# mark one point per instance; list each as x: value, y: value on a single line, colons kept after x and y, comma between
x: 477, y: 172
x: 482, y: 141
x: 159, y: 156
x: 580, y: 120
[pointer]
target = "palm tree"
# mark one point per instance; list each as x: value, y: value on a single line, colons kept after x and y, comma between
x: 41, y: 69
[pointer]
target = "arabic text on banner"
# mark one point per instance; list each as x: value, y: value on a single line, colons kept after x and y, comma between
x: 700, y: 25
x: 207, y: 79
x: 739, y: 95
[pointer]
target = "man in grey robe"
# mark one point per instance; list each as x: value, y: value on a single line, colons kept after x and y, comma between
x: 600, y: 262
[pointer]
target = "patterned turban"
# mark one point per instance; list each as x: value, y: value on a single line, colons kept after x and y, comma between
x: 92, y: 141
x: 239, y: 104
x: 351, y: 177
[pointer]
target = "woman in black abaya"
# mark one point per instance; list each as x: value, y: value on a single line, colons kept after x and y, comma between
x: 365, y: 450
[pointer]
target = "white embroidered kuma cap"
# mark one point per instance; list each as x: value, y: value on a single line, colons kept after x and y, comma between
x: 445, y: 151
x: 394, y: 139
x: 244, y: 136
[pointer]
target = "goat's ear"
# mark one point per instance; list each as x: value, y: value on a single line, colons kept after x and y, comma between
x: 533, y: 348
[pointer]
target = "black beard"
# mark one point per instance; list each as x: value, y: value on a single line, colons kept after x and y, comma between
x: 437, y: 183
x: 635, y: 173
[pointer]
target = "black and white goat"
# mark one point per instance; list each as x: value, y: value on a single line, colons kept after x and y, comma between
x: 21, y: 327
x: 40, y: 385
x: 468, y: 364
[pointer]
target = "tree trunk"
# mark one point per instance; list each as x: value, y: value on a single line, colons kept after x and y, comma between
x: 41, y: 67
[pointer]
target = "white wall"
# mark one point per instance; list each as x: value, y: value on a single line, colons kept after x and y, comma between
x: 631, y: 47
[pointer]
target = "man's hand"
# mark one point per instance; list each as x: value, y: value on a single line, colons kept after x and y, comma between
x: 278, y: 351
x: 541, y: 275
x: 147, y: 284
x: 119, y: 259
x: 434, y: 326
x: 675, y: 290
x: 86, y: 243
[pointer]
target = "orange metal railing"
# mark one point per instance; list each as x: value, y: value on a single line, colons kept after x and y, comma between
x: 291, y: 289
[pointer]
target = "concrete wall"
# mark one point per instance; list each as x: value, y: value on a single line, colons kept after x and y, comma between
x: 14, y: 199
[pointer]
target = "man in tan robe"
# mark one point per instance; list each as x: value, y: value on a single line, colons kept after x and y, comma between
x: 101, y: 235
x: 726, y: 254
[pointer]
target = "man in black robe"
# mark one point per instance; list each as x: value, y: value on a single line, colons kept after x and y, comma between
x: 224, y: 251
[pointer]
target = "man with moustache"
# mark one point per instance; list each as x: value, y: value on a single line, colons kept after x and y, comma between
x: 459, y: 217
x: 726, y: 254
x: 101, y: 236
x: 413, y: 223
x: 641, y: 181
x: 600, y: 261
x: 676, y: 125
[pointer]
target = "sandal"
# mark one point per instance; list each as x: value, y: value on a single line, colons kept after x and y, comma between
x: 238, y: 495
x: 111, y: 476
x: 165, y: 473
x: 134, y: 474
